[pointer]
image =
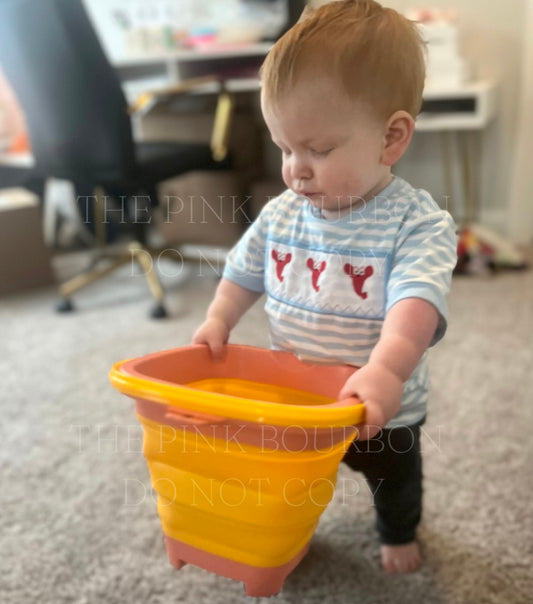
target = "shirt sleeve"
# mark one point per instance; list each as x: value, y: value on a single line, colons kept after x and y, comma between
x: 245, y: 264
x: 423, y: 263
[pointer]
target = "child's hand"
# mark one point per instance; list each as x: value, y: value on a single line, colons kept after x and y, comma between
x: 380, y: 390
x: 231, y: 301
x: 213, y: 332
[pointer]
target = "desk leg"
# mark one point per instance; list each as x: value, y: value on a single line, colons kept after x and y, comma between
x: 446, y: 154
x: 469, y: 163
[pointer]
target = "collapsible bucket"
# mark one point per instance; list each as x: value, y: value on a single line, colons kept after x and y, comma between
x: 243, y: 453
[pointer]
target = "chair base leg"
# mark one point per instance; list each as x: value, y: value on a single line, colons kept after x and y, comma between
x: 64, y: 305
x: 136, y: 252
x: 158, y: 311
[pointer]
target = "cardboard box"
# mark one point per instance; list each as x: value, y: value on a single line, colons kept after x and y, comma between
x: 206, y: 208
x: 190, y: 119
x: 25, y: 261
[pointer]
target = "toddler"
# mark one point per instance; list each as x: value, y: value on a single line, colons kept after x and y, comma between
x: 355, y: 263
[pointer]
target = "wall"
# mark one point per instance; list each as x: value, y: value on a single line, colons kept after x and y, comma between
x: 520, y: 224
x: 492, y: 36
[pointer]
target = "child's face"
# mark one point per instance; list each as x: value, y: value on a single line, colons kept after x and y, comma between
x: 331, y: 147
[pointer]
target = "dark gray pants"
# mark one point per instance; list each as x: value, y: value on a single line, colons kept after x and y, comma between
x: 392, y: 464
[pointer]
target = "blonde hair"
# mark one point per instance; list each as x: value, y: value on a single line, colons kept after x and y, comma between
x: 376, y: 54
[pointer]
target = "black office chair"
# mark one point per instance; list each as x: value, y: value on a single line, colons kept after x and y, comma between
x: 79, y: 121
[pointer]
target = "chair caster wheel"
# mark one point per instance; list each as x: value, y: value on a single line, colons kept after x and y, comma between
x: 158, y: 312
x: 64, y: 305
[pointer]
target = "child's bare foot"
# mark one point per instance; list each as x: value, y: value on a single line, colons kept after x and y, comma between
x: 401, y: 558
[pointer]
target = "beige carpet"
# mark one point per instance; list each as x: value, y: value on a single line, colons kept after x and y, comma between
x: 78, y: 520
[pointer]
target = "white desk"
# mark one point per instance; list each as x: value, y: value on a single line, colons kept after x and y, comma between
x: 459, y: 115
x: 470, y: 107
x: 176, y: 58
x: 238, y: 64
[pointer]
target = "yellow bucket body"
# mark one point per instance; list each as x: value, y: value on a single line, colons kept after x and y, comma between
x: 243, y: 502
x: 241, y: 488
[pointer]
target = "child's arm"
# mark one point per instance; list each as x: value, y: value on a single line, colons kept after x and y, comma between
x: 230, y: 303
x: 407, y: 332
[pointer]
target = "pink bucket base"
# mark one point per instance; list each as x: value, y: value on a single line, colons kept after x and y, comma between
x: 258, y: 581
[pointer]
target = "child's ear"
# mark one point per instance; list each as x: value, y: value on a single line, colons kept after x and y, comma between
x: 398, y: 133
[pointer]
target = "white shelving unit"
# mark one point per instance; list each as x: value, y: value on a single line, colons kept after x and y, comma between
x: 469, y: 107
x: 237, y: 63
x: 196, y: 55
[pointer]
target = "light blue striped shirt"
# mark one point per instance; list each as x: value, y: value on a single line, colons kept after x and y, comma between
x: 330, y: 282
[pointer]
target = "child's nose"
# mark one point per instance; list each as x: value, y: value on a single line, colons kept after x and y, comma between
x: 300, y: 169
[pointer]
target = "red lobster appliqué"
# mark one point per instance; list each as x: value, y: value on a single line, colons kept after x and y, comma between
x: 316, y: 268
x: 282, y: 259
x: 359, y: 275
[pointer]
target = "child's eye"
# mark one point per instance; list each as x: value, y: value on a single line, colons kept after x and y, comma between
x: 321, y: 152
